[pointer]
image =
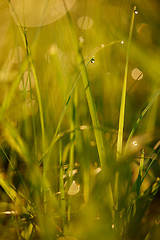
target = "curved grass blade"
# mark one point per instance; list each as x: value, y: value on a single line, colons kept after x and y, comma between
x: 141, y: 116
x: 12, y: 194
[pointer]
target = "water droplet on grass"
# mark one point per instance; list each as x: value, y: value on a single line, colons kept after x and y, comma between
x: 113, y: 226
x: 135, y: 143
x: 135, y: 12
x: 92, y: 60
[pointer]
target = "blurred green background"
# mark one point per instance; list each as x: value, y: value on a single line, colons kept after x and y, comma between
x: 85, y: 211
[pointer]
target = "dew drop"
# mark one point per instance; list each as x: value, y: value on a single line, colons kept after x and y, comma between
x: 122, y: 42
x: 135, y: 143
x: 135, y: 12
x: 113, y: 226
x: 92, y: 60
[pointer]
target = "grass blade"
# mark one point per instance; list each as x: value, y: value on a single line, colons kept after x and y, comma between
x: 141, y: 116
x: 123, y: 97
x: 16, y: 142
x: 8, y: 189
x: 61, y: 187
x: 31, y: 63
x: 139, y: 180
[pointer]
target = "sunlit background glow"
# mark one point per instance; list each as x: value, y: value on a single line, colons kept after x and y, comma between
x: 57, y: 57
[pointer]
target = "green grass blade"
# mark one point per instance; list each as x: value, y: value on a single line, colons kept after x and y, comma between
x: 139, y: 180
x: 116, y: 191
x: 88, y: 92
x: 31, y: 63
x: 87, y: 61
x: 95, y: 51
x: 93, y: 113
x: 141, y: 116
x: 111, y: 201
x: 141, y: 164
x: 62, y: 116
x: 147, y: 170
x: 11, y: 192
x: 123, y: 97
x: 61, y: 187
x: 16, y: 142
x: 8, y: 189
x: 17, y: 172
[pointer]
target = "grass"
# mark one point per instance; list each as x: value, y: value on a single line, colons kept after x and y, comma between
x: 79, y: 145
x: 123, y: 99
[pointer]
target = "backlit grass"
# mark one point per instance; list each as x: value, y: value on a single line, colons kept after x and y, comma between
x: 79, y: 129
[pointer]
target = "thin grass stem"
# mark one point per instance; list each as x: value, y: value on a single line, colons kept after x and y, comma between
x: 61, y: 187
x: 141, y: 116
x: 123, y: 97
x: 31, y: 62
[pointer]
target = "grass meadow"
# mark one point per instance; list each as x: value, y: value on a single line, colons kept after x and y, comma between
x: 79, y: 120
